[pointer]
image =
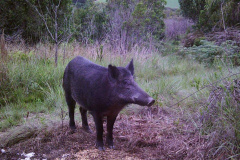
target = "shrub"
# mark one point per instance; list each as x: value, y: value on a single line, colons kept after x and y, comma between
x: 135, y: 22
x: 219, y: 14
x: 192, y: 8
x: 211, y: 14
x: 92, y: 18
x: 207, y: 52
x: 18, y: 17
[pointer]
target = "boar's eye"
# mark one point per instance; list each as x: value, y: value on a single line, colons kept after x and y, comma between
x: 125, y: 82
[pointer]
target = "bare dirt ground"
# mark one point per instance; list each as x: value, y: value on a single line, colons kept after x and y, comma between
x: 148, y: 134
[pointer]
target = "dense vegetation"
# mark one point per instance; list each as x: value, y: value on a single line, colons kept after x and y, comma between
x: 18, y: 18
x: 172, y: 60
x: 93, y: 21
x: 212, y: 13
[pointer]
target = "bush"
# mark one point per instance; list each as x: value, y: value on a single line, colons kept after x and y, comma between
x: 92, y: 18
x: 18, y: 17
x: 192, y: 8
x: 219, y: 14
x: 207, y: 52
x: 211, y: 14
x: 134, y: 22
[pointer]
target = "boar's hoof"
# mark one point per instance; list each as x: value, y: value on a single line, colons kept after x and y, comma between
x: 87, y: 129
x: 73, y: 128
x: 110, y: 143
x: 99, y: 146
x: 111, y: 146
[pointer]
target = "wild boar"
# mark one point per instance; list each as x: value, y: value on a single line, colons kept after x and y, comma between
x: 101, y: 91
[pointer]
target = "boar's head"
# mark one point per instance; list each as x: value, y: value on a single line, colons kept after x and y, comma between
x: 124, y: 88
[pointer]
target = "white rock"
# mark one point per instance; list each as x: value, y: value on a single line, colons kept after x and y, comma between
x: 28, y: 156
x: 3, y: 151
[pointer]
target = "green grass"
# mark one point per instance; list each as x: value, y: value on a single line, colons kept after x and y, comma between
x: 32, y: 86
x: 35, y: 85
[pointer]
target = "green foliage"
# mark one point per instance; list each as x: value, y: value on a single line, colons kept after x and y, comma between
x: 207, y: 52
x: 19, y: 17
x: 92, y: 18
x: 192, y: 8
x: 148, y: 18
x: 211, y: 13
x: 136, y: 18
x: 218, y: 13
x: 198, y: 42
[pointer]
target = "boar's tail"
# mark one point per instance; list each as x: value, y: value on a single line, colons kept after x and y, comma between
x: 65, y: 78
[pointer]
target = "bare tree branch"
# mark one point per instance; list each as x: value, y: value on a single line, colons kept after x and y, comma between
x: 43, y: 18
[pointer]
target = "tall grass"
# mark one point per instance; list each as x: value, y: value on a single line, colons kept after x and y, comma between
x: 26, y: 89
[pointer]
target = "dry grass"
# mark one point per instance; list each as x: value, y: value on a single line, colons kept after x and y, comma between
x: 144, y: 134
x: 221, y: 119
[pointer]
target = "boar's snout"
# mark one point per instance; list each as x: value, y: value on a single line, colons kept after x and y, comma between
x: 143, y: 99
x: 151, y: 101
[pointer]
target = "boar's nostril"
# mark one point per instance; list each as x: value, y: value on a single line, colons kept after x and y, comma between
x: 151, y: 102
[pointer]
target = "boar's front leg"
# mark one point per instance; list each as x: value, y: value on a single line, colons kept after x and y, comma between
x: 98, y: 119
x: 110, y: 122
x: 84, y: 120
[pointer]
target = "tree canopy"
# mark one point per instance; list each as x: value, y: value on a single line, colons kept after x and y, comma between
x: 212, y: 13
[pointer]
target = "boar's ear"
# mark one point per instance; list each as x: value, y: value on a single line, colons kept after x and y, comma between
x: 113, y: 73
x: 130, y: 67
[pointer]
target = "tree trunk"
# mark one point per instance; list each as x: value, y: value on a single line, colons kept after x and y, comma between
x: 56, y: 36
x: 56, y: 54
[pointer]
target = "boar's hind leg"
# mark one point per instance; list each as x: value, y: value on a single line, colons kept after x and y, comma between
x: 99, y: 129
x: 110, y: 122
x: 71, y: 107
x: 84, y: 120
